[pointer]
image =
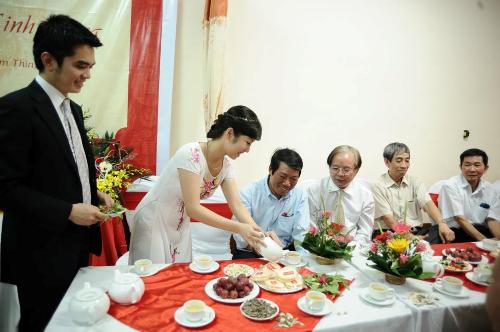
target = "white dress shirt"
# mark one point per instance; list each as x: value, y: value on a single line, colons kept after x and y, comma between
x: 457, y: 199
x: 357, y: 201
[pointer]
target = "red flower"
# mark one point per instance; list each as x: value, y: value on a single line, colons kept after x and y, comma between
x: 382, y: 237
x: 374, y: 248
x: 337, y: 227
x: 340, y: 239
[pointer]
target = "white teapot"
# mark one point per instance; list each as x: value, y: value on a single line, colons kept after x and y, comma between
x: 88, y: 305
x: 272, y: 250
x: 429, y: 264
x: 126, y: 288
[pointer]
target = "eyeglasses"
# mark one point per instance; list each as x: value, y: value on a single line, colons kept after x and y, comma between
x: 345, y: 170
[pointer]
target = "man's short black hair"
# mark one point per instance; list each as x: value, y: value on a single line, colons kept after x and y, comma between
x: 474, y: 153
x: 288, y: 156
x: 59, y: 35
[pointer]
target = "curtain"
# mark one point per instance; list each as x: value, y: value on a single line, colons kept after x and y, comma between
x: 214, y: 26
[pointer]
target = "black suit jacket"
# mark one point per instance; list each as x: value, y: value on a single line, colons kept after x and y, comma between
x: 39, y: 182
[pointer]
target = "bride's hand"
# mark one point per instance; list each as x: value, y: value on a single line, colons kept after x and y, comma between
x: 253, y: 235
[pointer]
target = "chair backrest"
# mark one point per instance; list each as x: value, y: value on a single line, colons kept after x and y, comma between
x: 10, y: 311
x: 305, y: 184
x: 436, y: 187
x: 123, y: 260
x: 365, y: 183
x: 209, y: 240
x: 434, y: 191
x: 496, y: 185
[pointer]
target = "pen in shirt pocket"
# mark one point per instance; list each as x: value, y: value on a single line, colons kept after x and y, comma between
x: 484, y: 205
x: 287, y: 214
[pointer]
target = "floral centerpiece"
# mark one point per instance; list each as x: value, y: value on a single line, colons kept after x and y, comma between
x: 114, y: 169
x: 328, y: 240
x: 398, y: 254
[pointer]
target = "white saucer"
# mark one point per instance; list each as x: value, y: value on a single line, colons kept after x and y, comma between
x: 464, y: 293
x: 212, y: 268
x: 301, y: 264
x: 482, y: 247
x: 366, y: 296
x: 154, y: 270
x: 181, y: 319
x: 471, y: 277
x: 301, y: 303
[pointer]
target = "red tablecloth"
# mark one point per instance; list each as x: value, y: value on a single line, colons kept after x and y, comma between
x: 438, y: 248
x: 114, y: 243
x: 170, y: 288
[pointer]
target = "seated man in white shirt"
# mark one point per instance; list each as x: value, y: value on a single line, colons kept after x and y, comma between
x: 470, y: 205
x: 276, y: 205
x: 351, y: 201
x: 402, y: 197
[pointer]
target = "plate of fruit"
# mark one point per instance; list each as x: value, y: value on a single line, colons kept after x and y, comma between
x: 467, y: 254
x: 231, y: 289
x: 451, y: 264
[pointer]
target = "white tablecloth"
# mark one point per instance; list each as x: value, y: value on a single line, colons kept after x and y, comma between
x: 350, y: 312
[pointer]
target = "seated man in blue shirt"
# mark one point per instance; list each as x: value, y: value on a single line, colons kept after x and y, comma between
x: 280, y: 209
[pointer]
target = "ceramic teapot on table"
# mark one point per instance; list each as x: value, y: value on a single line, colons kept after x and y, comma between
x: 126, y: 288
x: 431, y: 264
x: 88, y: 305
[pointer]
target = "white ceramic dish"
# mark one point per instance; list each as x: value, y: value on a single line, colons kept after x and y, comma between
x: 467, y: 268
x: 261, y: 319
x: 181, y: 319
x: 301, y: 264
x: 471, y: 277
x: 154, y: 270
x: 463, y: 293
x: 234, y: 269
x: 483, y: 258
x: 212, y: 268
x: 365, y: 295
x: 284, y: 291
x: 209, y: 290
x: 302, y: 304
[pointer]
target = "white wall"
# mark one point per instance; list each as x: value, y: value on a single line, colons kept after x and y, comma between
x: 320, y: 73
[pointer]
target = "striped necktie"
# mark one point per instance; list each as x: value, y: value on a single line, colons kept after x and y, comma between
x: 76, y: 145
x: 339, y: 208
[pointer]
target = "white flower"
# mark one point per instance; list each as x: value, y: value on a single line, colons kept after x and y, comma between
x: 105, y: 167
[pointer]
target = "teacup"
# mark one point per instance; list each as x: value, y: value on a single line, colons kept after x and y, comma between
x: 489, y: 244
x: 272, y: 250
x: 203, y: 262
x: 293, y: 257
x: 450, y: 284
x: 315, y: 300
x: 194, y: 310
x: 379, y: 291
x: 143, y: 266
x: 483, y: 273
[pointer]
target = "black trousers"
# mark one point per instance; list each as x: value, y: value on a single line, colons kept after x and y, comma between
x: 460, y: 234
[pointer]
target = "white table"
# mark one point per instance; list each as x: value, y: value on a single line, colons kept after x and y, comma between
x: 350, y: 312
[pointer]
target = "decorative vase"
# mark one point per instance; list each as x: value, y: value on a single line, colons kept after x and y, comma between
x: 394, y: 279
x: 326, y: 261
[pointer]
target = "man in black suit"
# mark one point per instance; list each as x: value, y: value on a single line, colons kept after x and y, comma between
x: 47, y: 174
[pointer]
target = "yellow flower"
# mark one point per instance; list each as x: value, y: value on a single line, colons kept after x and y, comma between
x: 398, y: 245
